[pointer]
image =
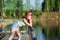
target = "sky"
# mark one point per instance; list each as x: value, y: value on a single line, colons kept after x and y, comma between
x: 33, y: 2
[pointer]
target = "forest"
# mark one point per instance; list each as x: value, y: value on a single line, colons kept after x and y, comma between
x: 17, y: 8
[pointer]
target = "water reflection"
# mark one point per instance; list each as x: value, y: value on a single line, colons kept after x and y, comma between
x: 41, y: 36
x: 38, y: 33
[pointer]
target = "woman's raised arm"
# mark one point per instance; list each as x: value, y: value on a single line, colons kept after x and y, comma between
x: 26, y: 22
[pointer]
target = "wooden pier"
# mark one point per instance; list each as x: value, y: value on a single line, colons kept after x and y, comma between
x: 24, y: 37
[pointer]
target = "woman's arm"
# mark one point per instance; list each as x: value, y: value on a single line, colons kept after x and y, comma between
x: 29, y: 24
x: 30, y: 21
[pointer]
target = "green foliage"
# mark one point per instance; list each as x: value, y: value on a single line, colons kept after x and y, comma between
x: 57, y: 4
x: 16, y: 8
x: 10, y: 4
x: 50, y: 5
x: 37, y: 5
x: 46, y: 5
x: 19, y: 9
x: 0, y: 6
x: 27, y: 5
x: 13, y: 7
x: 37, y: 13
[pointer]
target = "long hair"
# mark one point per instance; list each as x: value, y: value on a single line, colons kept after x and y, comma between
x: 26, y: 13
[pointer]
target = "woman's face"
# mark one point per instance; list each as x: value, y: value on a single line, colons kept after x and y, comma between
x: 29, y: 15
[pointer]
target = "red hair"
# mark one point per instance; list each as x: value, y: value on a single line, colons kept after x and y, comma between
x: 26, y: 13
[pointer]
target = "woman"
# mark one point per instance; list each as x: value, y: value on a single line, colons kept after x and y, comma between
x: 27, y: 19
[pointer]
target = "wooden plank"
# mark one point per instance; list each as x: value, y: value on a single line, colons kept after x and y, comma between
x: 5, y: 38
x: 9, y: 32
x: 24, y: 37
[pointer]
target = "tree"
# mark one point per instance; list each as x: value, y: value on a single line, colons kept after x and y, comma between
x: 37, y: 5
x: 52, y: 5
x: 0, y: 7
x: 37, y: 8
x: 19, y: 7
x: 57, y: 5
x: 43, y: 6
x: 46, y: 5
x: 3, y: 11
x: 27, y: 4
x: 10, y: 7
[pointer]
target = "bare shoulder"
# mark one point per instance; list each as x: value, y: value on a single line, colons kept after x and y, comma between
x: 24, y: 19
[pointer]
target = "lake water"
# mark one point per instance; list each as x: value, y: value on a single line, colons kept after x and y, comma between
x: 41, y: 36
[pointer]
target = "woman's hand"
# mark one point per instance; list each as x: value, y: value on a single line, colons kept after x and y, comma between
x: 30, y: 22
x: 26, y: 22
